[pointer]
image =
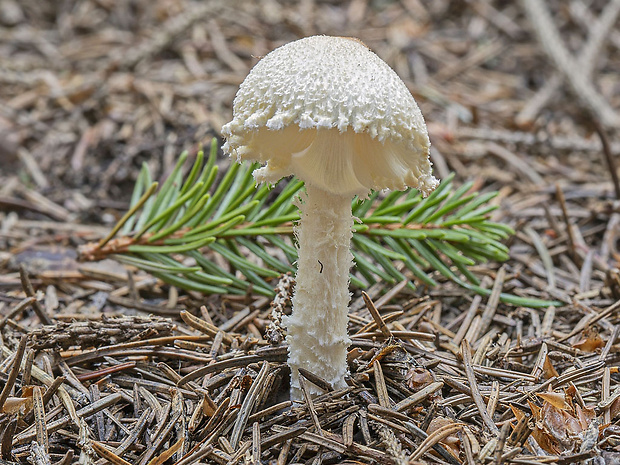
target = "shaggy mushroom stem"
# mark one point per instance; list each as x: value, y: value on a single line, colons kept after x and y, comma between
x: 317, y: 329
x: 331, y: 112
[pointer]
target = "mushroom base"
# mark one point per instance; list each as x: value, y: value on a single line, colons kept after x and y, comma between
x: 317, y: 329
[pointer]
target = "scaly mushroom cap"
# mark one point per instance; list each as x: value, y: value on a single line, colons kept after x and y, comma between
x: 330, y: 111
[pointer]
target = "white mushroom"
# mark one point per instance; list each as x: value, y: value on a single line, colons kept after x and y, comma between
x: 331, y: 112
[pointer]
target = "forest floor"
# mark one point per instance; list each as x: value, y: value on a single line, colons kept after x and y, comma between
x: 102, y: 363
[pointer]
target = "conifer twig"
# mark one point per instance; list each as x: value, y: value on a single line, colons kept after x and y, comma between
x: 176, y: 231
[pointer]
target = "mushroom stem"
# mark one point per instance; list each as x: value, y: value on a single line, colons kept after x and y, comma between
x: 317, y: 329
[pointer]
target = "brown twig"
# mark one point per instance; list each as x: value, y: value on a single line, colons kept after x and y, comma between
x: 29, y: 290
x: 609, y: 157
x: 15, y: 369
x: 17, y: 309
x: 551, y: 42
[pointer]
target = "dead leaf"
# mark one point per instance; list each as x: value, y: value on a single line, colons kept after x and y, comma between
x: 585, y: 416
x: 450, y: 442
x: 614, y: 408
x: 418, y: 378
x: 560, y: 423
x: 557, y: 399
x: 519, y: 414
x: 13, y: 405
x: 591, y: 340
x: 549, y: 370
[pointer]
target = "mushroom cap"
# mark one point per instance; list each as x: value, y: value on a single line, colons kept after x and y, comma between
x: 331, y: 112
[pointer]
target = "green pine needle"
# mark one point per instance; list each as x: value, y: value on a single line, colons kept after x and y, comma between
x: 178, y: 232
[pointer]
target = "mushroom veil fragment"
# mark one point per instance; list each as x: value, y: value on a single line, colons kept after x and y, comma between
x: 331, y: 112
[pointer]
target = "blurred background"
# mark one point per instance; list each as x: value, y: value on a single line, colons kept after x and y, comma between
x: 91, y: 89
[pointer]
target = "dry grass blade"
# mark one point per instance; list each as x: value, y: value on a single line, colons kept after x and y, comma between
x: 591, y: 320
x: 493, y: 399
x: 256, y: 449
x: 475, y: 392
x: 15, y: 369
x: 134, y: 433
x: 16, y: 310
x: 404, y: 335
x: 84, y: 412
x: 310, y: 405
x: 165, y: 455
x: 493, y: 302
x: 609, y: 158
x: 469, y: 317
x: 327, y: 442
x: 105, y: 453
x: 380, y: 386
x: 275, y: 355
x: 7, y: 438
x: 316, y: 380
x: 199, y: 455
x: 248, y: 405
x: 29, y: 290
x: 418, y: 397
x: 376, y: 316
x: 433, y: 439
x: 282, y: 436
x: 348, y: 430
x: 544, y: 255
x: 39, y: 419
x: 203, y: 326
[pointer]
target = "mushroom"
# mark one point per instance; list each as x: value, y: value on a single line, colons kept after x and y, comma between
x: 331, y: 112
